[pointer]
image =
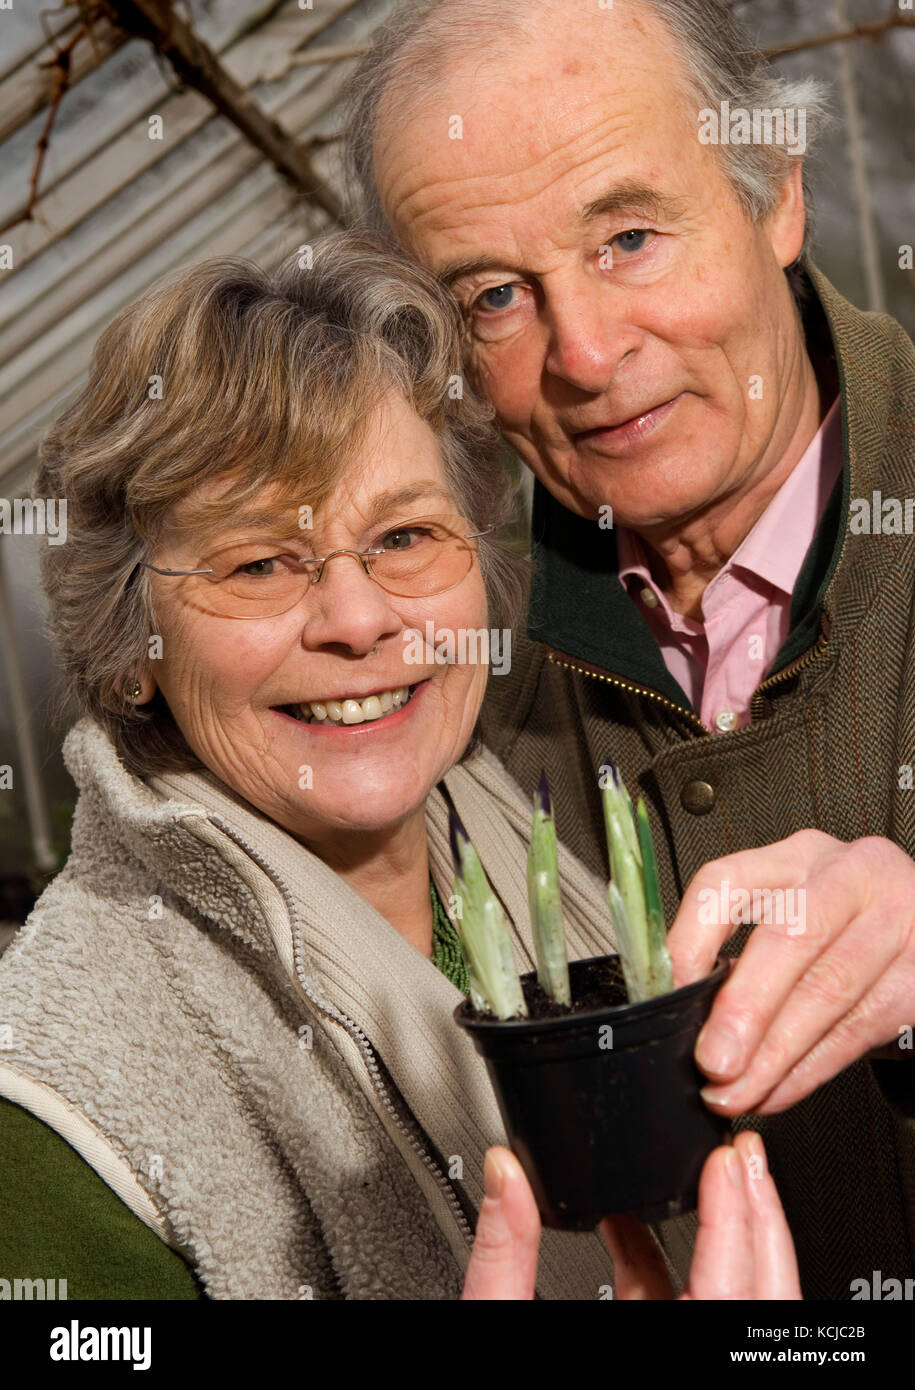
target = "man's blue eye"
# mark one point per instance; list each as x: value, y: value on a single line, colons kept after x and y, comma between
x: 500, y: 293
x: 633, y: 240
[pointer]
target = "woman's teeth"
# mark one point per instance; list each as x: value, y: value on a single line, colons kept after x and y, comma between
x: 351, y: 711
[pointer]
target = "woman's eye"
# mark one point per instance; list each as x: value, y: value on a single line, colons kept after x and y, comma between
x: 633, y: 240
x: 400, y: 540
x: 257, y: 569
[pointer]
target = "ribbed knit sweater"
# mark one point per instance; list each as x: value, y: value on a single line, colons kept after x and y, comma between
x: 256, y: 1062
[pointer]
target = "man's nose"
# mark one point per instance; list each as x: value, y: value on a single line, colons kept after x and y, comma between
x: 588, y: 335
x: 346, y: 608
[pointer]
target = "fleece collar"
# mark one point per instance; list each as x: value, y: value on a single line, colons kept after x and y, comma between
x: 207, y: 848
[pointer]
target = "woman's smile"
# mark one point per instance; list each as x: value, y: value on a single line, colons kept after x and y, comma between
x: 385, y: 709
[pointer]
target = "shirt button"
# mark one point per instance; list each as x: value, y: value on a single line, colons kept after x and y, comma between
x: 697, y: 797
x: 649, y: 598
x: 726, y: 720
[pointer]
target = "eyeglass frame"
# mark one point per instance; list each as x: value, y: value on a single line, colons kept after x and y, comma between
x: 321, y: 560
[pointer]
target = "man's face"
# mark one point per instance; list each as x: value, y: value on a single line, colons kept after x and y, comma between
x: 623, y: 314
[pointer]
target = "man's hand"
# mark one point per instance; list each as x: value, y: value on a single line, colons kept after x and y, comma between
x: 743, y: 1247
x: 828, y: 980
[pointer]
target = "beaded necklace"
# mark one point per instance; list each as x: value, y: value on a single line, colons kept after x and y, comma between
x: 447, y: 951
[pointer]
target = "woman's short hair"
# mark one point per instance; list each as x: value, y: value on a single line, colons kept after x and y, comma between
x: 265, y: 381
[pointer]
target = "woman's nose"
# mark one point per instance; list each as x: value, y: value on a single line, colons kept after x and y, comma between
x: 347, y: 608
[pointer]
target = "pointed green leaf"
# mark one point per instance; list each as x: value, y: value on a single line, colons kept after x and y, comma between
x: 545, y: 902
x: 662, y: 975
x: 495, y: 986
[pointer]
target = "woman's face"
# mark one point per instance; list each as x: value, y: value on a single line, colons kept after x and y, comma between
x: 225, y: 678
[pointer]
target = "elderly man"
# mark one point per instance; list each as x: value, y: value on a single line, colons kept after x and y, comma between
x: 614, y: 193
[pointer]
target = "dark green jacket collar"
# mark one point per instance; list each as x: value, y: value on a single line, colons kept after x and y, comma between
x: 579, y: 607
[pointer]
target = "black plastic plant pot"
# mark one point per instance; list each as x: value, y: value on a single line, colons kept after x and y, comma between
x: 602, y: 1104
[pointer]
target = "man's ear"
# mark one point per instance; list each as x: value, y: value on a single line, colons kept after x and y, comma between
x: 786, y: 223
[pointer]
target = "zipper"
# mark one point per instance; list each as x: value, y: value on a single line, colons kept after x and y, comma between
x: 756, y: 712
x: 364, y: 1042
x: 560, y: 659
x: 791, y: 669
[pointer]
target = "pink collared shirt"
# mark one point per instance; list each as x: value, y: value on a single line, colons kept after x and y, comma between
x: 746, y: 607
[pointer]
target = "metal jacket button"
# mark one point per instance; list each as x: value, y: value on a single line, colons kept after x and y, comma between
x: 697, y: 797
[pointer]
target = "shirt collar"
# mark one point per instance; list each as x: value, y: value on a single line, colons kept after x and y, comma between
x: 795, y: 511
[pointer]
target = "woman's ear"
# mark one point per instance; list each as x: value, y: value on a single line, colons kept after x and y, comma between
x: 138, y: 690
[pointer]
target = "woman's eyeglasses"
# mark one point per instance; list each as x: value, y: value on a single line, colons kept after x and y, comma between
x: 251, y: 579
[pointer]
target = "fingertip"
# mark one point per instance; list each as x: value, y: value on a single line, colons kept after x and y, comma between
x: 506, y: 1163
x: 762, y: 1193
x: 684, y: 963
x: 507, y: 1184
x: 721, y: 1182
x: 493, y: 1177
x: 682, y: 976
x: 734, y: 1167
x: 749, y: 1144
x: 752, y: 1152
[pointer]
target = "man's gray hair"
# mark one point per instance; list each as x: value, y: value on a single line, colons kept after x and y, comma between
x: 421, y: 37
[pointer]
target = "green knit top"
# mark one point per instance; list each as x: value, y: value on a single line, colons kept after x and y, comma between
x: 60, y: 1220
x: 447, y: 951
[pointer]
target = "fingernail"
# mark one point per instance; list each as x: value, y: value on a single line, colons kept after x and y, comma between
x: 718, y: 1050
x: 754, y: 1144
x: 732, y: 1162
x: 754, y: 1155
x: 711, y: 1096
x: 493, y: 1177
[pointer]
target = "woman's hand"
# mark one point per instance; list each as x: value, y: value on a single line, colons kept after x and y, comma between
x: 743, y: 1247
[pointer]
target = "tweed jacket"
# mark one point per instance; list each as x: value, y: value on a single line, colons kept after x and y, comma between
x: 830, y: 745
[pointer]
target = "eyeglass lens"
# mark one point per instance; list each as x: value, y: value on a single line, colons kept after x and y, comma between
x: 415, y: 559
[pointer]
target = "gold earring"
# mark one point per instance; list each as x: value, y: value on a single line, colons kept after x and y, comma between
x: 136, y: 690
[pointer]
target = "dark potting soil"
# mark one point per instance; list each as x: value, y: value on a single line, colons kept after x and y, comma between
x: 593, y: 985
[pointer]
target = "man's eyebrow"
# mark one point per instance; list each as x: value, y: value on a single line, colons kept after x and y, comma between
x: 632, y: 196
x: 629, y: 196
x: 461, y: 270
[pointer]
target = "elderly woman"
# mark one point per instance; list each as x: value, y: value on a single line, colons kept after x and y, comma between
x: 233, y: 1070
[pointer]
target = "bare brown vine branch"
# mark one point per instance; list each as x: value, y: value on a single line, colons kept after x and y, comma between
x: 872, y: 31
x: 60, y: 69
